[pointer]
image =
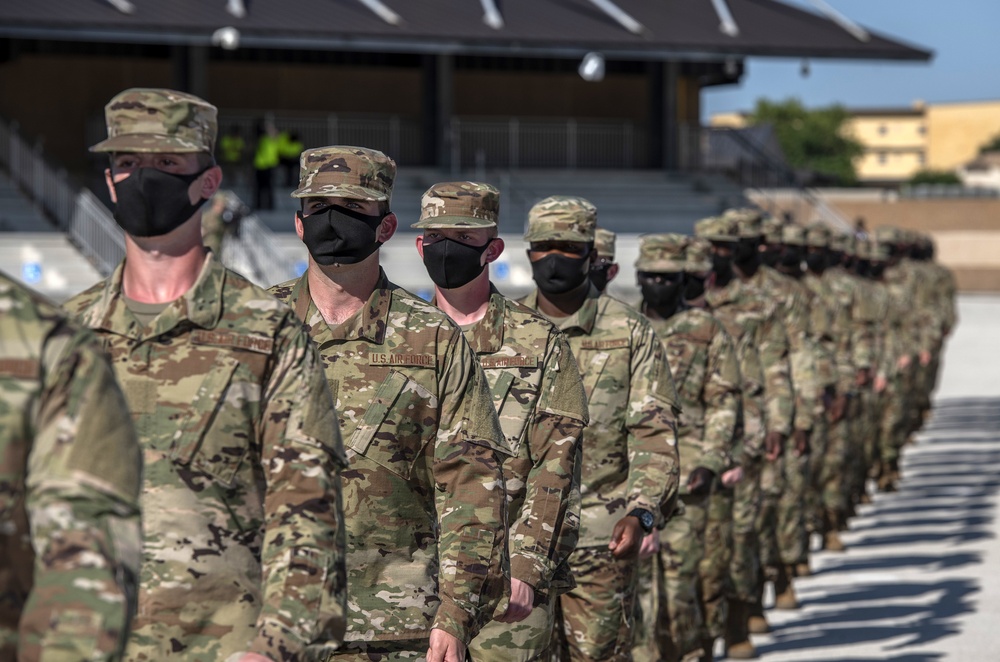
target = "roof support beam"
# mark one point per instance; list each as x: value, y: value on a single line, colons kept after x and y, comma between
x: 620, y: 16
x: 727, y: 24
x: 847, y: 24
x: 124, y: 6
x: 491, y: 15
x: 382, y: 11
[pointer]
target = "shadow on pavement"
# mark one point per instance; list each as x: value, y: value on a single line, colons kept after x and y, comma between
x: 951, y: 478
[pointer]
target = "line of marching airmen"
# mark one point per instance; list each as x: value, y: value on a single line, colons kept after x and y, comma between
x: 194, y: 468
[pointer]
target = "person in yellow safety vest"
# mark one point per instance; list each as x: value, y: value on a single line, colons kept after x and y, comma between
x: 289, y: 149
x: 233, y: 157
x: 265, y: 161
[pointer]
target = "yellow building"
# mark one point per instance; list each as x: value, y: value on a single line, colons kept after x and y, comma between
x: 899, y: 142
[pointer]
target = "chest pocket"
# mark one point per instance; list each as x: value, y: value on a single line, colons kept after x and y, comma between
x: 214, y: 436
x: 396, y: 424
x: 605, y: 379
x: 514, y: 400
x: 684, y: 354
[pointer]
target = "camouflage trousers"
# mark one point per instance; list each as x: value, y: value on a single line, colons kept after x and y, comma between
x: 856, y: 466
x: 834, y: 469
x: 527, y: 640
x: 597, y: 616
x: 713, y: 570
x: 892, y: 421
x: 869, y: 427
x: 793, y: 540
x: 377, y: 651
x: 668, y: 587
x: 772, y: 483
x: 745, y: 567
x: 814, y: 486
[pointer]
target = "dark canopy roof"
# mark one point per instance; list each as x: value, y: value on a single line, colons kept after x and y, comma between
x: 567, y: 28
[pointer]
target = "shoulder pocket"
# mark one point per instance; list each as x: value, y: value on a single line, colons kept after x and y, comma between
x: 390, y: 433
x: 208, y: 439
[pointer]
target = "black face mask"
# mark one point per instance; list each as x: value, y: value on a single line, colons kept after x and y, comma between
x: 452, y: 264
x: 152, y: 203
x: 771, y: 256
x: 599, y: 276
x: 694, y: 287
x: 746, y: 251
x: 662, y: 296
x: 791, y: 258
x: 558, y: 274
x: 863, y: 268
x: 723, y: 267
x: 816, y: 262
x: 338, y: 235
x: 878, y: 268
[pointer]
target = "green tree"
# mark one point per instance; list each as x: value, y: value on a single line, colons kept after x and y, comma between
x: 992, y: 146
x: 812, y: 139
x: 934, y: 177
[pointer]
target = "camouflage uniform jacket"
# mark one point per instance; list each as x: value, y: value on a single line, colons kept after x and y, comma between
x: 794, y: 306
x: 424, y: 498
x: 630, y: 447
x: 703, y: 364
x: 542, y: 407
x: 902, y: 292
x: 753, y: 319
x: 855, y: 317
x: 243, y: 535
x: 69, y: 490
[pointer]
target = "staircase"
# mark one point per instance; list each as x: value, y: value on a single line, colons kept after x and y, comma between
x: 17, y: 214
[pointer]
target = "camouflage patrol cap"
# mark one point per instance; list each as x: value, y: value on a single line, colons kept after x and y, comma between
x: 843, y: 242
x: 748, y: 221
x: 158, y: 120
x: 459, y: 205
x: 887, y: 234
x: 562, y: 218
x: 717, y: 228
x: 793, y: 235
x: 356, y: 173
x: 770, y: 227
x: 661, y: 253
x: 604, y: 243
x: 699, y: 255
x: 818, y: 235
x: 879, y: 251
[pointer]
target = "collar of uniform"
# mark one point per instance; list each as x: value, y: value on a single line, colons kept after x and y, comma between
x: 201, y: 305
x: 486, y: 335
x: 368, y: 323
x: 583, y: 319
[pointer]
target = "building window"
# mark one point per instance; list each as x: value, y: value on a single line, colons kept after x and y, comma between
x: 921, y: 158
x: 922, y: 130
x: 882, y: 158
x: 882, y: 129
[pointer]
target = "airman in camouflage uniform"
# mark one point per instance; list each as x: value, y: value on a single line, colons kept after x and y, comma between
x: 539, y: 397
x: 243, y: 537
x: 630, y: 466
x: 604, y: 269
x: 69, y: 490
x: 704, y: 365
x: 424, y: 498
x: 754, y: 319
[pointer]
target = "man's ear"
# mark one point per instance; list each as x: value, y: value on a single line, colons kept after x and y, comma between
x: 612, y: 272
x: 494, y: 250
x: 299, y: 230
x: 110, y: 181
x: 420, y: 245
x: 387, y: 227
x: 208, y: 183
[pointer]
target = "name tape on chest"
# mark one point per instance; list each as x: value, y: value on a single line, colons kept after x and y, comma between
x: 611, y: 343
x: 401, y: 359
x: 488, y: 362
x: 245, y: 341
x: 19, y: 368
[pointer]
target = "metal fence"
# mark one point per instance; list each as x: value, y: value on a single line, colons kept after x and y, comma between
x: 250, y: 250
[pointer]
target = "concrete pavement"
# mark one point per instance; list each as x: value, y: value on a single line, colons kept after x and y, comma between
x: 920, y: 581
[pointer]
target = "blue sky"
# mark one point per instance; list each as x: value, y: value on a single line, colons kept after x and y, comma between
x: 964, y: 35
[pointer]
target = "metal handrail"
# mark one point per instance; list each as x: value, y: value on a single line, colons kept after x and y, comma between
x: 94, y: 232
x: 250, y: 249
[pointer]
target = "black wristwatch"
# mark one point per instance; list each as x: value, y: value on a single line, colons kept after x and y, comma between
x: 645, y: 518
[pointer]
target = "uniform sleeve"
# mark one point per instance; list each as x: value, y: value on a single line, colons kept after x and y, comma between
x: 303, y: 555
x: 802, y: 361
x: 865, y: 317
x: 753, y: 403
x: 721, y: 395
x: 82, y: 494
x: 773, y: 353
x: 651, y: 423
x: 470, y: 495
x: 543, y: 535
